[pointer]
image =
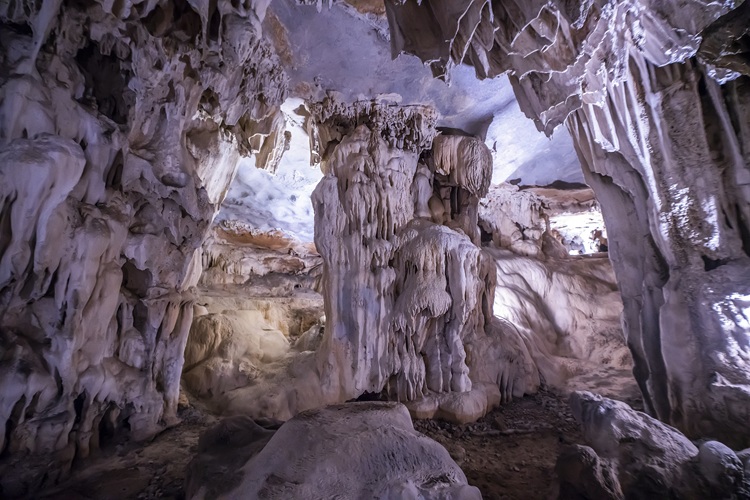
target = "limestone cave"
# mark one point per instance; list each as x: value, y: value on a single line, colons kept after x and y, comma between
x: 375, y: 249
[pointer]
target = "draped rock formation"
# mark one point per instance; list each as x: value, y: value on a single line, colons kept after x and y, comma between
x: 121, y: 125
x: 408, y: 292
x: 661, y: 123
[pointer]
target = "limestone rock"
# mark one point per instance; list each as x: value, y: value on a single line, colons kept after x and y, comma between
x: 637, y: 456
x: 357, y: 450
x: 567, y: 314
x: 234, y: 253
x: 410, y: 302
x: 515, y: 219
x: 543, y: 221
x: 121, y: 125
x: 660, y: 122
x: 406, y: 286
x: 583, y: 474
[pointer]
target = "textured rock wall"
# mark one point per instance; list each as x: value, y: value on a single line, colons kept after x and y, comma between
x: 685, y: 279
x: 121, y: 125
x: 666, y: 149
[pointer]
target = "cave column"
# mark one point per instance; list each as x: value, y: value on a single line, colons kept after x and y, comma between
x: 363, y: 203
x: 664, y: 157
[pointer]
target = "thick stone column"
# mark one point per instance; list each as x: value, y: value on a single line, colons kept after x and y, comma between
x: 408, y: 293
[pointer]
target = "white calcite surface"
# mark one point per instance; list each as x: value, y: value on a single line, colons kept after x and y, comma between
x: 357, y: 450
x: 660, y: 123
x: 278, y: 200
x: 568, y: 312
x: 121, y: 128
x: 411, y: 308
x: 541, y: 222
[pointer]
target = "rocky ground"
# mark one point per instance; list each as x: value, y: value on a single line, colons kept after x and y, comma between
x: 511, y: 452
x: 508, y: 454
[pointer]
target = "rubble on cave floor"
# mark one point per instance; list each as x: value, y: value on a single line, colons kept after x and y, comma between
x: 508, y: 454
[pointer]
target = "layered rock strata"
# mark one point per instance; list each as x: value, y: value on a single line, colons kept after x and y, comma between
x: 121, y: 125
x: 660, y: 123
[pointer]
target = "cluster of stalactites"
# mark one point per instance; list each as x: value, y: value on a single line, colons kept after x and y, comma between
x: 409, y: 128
x: 570, y: 48
x: 461, y: 169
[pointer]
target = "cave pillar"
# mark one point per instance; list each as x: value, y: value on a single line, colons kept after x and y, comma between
x: 667, y: 155
x: 408, y: 293
x: 118, y: 139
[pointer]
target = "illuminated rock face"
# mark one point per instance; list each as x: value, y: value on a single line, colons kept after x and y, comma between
x: 121, y: 125
x: 667, y: 150
x: 402, y: 292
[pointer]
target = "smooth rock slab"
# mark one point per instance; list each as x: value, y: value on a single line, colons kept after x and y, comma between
x: 355, y: 450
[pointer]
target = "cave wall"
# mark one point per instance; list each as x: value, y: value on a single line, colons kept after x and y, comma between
x: 121, y: 125
x: 659, y: 118
x: 679, y: 182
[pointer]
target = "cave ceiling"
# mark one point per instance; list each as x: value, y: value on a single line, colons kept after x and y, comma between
x: 346, y: 48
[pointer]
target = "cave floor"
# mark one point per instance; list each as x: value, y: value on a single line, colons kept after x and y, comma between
x: 508, y: 454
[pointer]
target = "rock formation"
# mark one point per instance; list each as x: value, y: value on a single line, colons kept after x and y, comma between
x: 359, y: 450
x: 407, y: 290
x: 660, y: 123
x: 121, y: 126
x: 132, y: 265
x: 632, y: 455
x: 567, y: 313
x: 410, y: 306
x: 542, y: 222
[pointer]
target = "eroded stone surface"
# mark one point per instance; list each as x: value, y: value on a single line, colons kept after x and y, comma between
x: 357, y: 450
x: 663, y: 145
x: 635, y: 456
x: 121, y: 125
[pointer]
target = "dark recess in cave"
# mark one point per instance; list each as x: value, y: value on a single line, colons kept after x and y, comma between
x: 106, y: 83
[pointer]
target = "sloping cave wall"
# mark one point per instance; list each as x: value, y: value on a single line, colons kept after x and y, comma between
x: 661, y: 125
x: 121, y: 125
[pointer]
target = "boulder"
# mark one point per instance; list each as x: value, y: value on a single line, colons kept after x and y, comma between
x: 355, y: 450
